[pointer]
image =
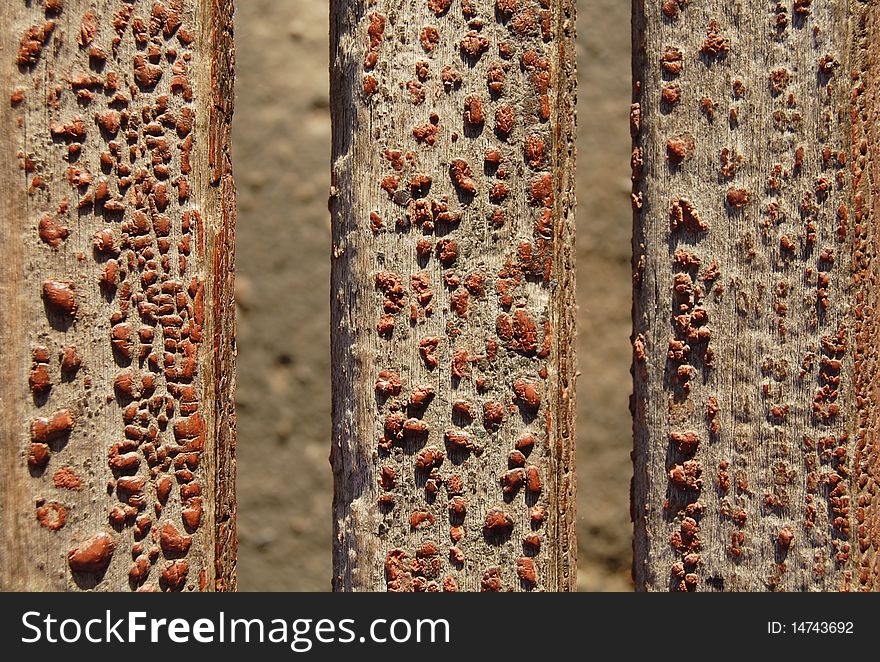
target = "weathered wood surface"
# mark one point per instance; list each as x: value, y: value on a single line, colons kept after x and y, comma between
x: 117, y: 213
x: 755, y: 192
x: 452, y: 294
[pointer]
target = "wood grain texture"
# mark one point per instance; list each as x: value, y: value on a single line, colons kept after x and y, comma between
x: 116, y: 266
x: 452, y: 294
x: 754, y: 360
x: 865, y: 118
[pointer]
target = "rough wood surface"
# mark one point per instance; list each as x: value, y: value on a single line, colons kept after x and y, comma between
x: 452, y: 294
x: 116, y: 324
x: 754, y: 193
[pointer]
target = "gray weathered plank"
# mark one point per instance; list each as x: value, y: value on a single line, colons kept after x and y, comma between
x: 452, y: 294
x: 755, y: 457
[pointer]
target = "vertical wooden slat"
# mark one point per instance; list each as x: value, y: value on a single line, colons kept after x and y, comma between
x: 117, y: 326
x: 452, y: 294
x: 753, y: 258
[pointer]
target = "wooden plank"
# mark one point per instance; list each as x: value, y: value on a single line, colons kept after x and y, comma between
x: 753, y: 252
x: 117, y: 328
x: 452, y: 294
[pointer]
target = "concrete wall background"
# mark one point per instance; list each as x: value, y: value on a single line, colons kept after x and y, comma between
x: 281, y: 147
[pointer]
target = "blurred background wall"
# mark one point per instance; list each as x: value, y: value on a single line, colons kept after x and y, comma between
x: 281, y: 148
